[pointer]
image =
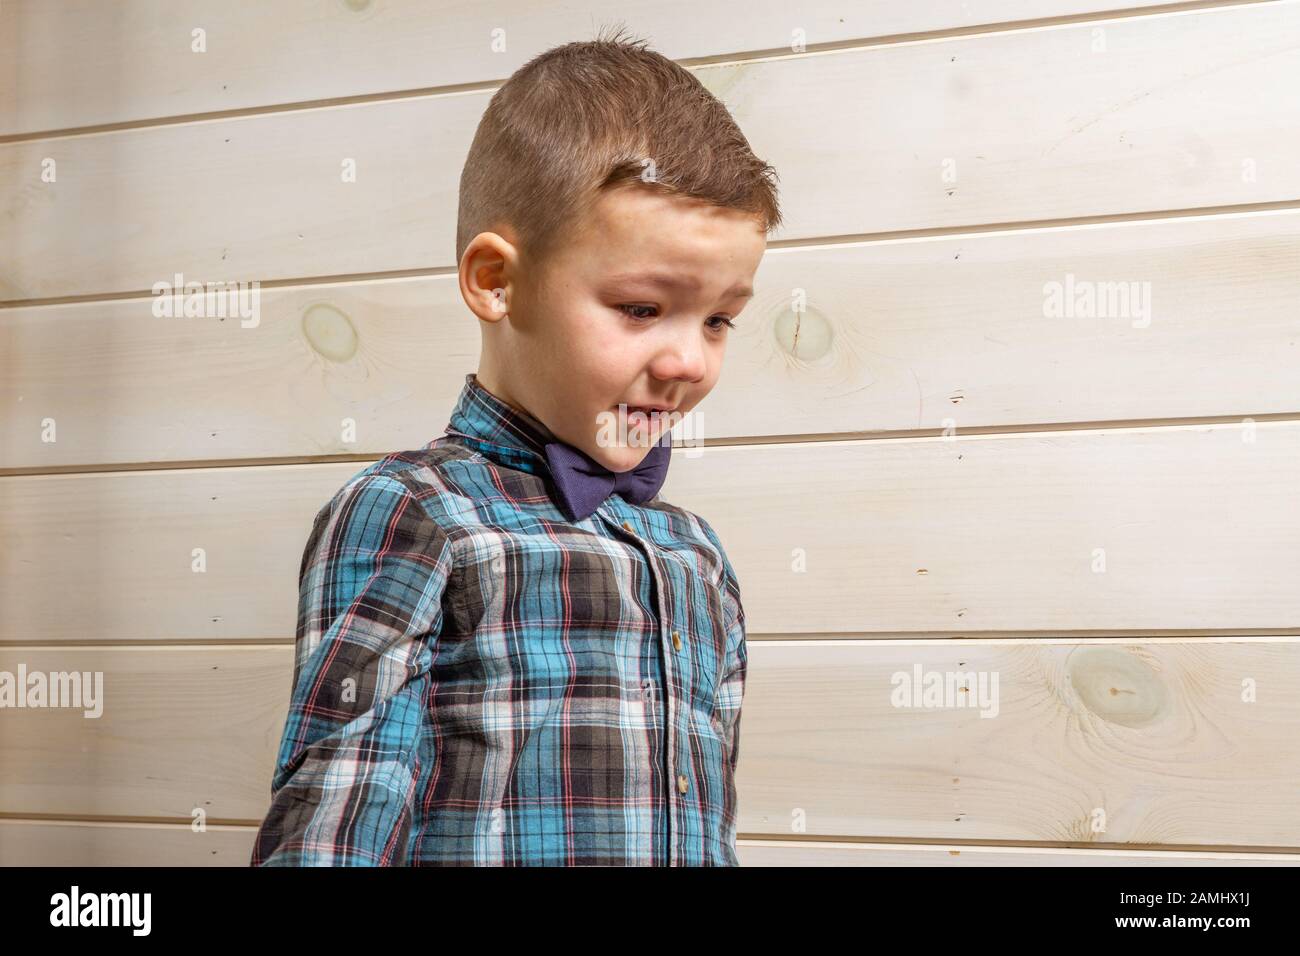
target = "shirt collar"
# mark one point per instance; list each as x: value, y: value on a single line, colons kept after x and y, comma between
x: 499, y: 431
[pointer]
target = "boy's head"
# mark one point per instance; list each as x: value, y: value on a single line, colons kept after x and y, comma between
x: 597, y: 168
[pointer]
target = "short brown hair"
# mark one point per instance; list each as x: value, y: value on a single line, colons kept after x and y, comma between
x: 587, y: 116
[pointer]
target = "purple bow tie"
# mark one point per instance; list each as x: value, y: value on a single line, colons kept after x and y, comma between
x: 584, y: 483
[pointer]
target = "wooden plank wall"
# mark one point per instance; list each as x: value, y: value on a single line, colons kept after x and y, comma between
x: 945, y: 475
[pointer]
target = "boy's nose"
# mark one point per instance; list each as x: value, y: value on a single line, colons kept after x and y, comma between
x: 682, y: 358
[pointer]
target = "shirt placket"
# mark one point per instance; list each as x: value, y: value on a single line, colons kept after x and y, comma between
x: 670, y: 642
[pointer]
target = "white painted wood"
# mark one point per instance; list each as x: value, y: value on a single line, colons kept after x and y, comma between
x: 1153, y: 741
x: 810, y: 853
x: 896, y: 335
x: 89, y: 843
x: 969, y: 534
x: 77, y: 843
x: 184, y: 734
x: 1197, y: 527
x: 1151, y: 738
x: 68, y: 64
x: 1034, y: 124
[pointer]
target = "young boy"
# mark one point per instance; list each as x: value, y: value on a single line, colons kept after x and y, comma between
x: 510, y: 651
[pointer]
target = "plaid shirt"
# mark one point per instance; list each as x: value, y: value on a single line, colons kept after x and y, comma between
x: 479, y: 681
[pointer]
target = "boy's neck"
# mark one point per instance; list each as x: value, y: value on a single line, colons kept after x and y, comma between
x: 487, y: 378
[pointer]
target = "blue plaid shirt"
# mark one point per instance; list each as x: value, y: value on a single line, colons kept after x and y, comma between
x: 480, y: 681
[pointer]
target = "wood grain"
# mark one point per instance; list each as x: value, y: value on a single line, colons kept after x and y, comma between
x: 1149, y: 742
x: 943, y: 332
x: 1179, y: 111
x: 1176, y: 527
x: 99, y: 64
x: 1155, y: 742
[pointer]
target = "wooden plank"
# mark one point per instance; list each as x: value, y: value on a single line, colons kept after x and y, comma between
x: 1185, y: 527
x: 897, y: 335
x: 1182, y: 110
x: 69, y: 64
x: 1150, y: 738
x: 87, y: 843
x: 180, y: 730
x: 810, y: 853
x: 1157, y: 742
x: 78, y: 843
x: 973, y: 533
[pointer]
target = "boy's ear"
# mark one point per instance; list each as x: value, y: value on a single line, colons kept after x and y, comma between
x: 487, y: 274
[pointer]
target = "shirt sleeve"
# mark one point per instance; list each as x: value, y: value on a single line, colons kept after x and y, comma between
x: 357, y: 737
x: 731, y: 688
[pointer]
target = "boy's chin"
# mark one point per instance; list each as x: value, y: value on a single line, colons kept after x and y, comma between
x: 617, y: 458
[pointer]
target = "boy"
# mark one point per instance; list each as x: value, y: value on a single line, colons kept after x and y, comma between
x: 510, y: 651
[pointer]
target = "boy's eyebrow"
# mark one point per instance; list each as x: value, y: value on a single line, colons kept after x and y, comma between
x: 669, y: 280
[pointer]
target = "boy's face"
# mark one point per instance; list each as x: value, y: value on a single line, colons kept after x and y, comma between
x: 592, y: 329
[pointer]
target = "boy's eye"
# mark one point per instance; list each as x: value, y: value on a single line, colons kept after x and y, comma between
x: 625, y: 308
x: 631, y: 310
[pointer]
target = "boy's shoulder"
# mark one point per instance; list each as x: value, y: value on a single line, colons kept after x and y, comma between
x: 679, y: 517
x: 418, y: 472
x: 423, y: 474
x: 417, y: 468
x: 696, y: 526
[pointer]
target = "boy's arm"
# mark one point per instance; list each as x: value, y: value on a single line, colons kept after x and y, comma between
x: 356, y: 739
x: 731, y: 688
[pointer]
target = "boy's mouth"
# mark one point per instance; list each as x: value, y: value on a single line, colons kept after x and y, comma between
x: 646, y: 408
x: 646, y: 413
x: 650, y: 419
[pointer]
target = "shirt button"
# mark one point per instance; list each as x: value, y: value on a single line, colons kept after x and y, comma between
x: 681, y: 783
x: 677, y: 640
